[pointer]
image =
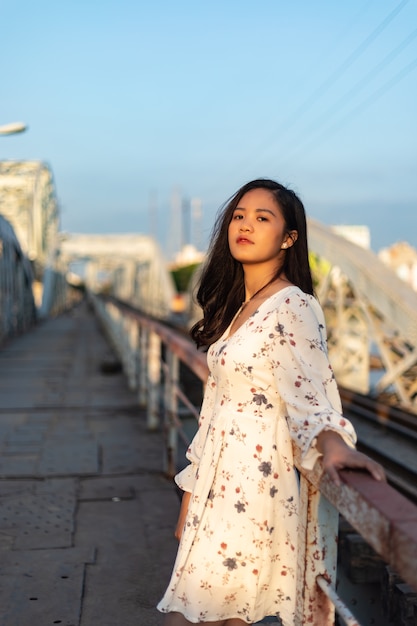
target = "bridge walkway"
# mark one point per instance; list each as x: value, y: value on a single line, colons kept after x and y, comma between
x: 86, y: 514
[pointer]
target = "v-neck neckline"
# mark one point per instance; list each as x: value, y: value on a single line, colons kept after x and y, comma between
x: 227, y: 336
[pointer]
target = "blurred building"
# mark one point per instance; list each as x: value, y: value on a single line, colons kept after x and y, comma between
x: 402, y: 258
x: 358, y: 234
x: 188, y: 255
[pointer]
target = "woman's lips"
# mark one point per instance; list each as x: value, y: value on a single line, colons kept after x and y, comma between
x: 243, y: 240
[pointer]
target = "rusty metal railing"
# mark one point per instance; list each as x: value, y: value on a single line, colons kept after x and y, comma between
x: 151, y: 353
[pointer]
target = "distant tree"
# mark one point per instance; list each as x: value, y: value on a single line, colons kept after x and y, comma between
x: 182, y: 276
x: 319, y: 268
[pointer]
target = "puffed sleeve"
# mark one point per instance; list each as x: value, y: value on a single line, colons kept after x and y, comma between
x: 187, y: 477
x: 304, y: 375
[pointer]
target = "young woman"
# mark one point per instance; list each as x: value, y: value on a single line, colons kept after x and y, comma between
x: 270, y: 385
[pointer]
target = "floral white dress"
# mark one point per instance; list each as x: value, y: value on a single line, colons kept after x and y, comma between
x: 270, y: 385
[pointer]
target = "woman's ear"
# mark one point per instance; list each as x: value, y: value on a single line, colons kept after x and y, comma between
x: 290, y: 239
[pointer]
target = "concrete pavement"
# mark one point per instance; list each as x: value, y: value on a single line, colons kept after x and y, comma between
x: 86, y: 514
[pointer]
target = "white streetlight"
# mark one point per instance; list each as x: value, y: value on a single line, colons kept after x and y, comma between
x: 12, y: 128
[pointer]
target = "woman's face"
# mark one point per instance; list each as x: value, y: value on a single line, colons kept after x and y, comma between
x: 257, y: 232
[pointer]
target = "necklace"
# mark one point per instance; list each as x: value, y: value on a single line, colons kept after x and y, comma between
x: 245, y: 304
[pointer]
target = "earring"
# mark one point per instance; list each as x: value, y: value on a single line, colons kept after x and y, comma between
x: 284, y: 245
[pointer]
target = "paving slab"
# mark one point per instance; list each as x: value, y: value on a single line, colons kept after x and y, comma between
x: 42, y: 596
x: 86, y: 513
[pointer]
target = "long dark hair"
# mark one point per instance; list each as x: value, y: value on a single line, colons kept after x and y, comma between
x: 221, y: 287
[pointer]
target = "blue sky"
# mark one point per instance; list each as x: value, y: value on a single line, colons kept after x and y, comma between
x: 130, y: 100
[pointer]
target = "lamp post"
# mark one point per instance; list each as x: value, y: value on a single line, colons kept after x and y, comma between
x: 12, y: 128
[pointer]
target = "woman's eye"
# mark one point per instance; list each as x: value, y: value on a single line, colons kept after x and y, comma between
x: 262, y: 219
x: 238, y: 217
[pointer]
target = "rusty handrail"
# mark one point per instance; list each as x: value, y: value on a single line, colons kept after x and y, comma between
x: 383, y: 516
x: 183, y: 347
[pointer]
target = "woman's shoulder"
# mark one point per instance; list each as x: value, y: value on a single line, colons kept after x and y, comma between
x: 293, y: 300
x: 291, y: 294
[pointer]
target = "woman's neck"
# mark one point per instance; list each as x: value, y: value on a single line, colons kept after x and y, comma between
x: 256, y: 280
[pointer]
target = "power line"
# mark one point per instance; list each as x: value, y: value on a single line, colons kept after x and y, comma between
x: 324, y: 87
x: 315, y: 126
x: 339, y: 71
x: 330, y: 81
x: 376, y: 95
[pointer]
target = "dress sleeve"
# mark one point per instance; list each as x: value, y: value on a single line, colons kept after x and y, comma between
x: 304, y: 376
x: 187, y: 477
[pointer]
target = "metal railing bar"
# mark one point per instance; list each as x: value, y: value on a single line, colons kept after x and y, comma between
x: 341, y: 609
x: 181, y: 395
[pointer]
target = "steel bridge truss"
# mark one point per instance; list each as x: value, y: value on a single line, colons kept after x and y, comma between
x: 29, y: 204
x: 17, y: 306
x: 371, y: 317
x: 128, y: 266
x: 28, y: 201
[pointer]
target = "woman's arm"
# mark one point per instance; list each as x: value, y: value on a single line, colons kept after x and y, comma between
x: 307, y: 385
x: 183, y: 514
x: 338, y: 455
x: 304, y: 377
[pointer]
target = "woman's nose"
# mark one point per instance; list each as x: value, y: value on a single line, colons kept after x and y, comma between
x: 245, y: 225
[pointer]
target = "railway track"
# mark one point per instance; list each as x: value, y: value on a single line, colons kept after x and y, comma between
x: 388, y: 435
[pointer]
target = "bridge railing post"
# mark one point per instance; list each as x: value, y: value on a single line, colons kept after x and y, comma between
x: 123, y: 342
x: 154, y: 379
x: 171, y: 411
x: 143, y: 359
x: 317, y: 526
x: 131, y: 328
x: 115, y: 318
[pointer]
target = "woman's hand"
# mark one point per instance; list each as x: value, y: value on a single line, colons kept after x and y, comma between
x: 183, y: 514
x: 338, y: 455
